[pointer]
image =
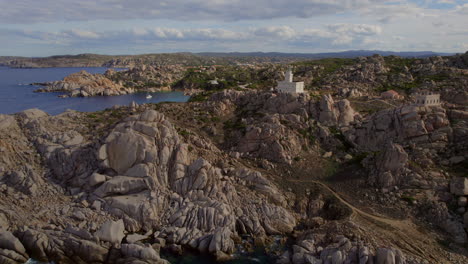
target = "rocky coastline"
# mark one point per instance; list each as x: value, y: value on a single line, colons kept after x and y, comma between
x: 76, y: 189
x: 321, y: 177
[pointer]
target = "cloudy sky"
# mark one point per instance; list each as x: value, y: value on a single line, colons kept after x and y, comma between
x: 51, y: 27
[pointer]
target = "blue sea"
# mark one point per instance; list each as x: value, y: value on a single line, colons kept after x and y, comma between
x: 17, y: 95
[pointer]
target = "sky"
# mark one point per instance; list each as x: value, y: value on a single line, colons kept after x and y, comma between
x: 53, y: 27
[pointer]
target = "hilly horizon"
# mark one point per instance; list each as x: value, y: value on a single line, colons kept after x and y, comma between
x: 312, y: 55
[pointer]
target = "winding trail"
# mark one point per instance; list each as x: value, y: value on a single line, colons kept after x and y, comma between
x: 403, y: 233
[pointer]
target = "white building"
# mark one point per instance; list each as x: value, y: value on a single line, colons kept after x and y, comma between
x: 427, y: 98
x: 288, y: 86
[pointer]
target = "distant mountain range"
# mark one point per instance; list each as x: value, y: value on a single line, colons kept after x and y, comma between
x: 193, y: 59
x: 343, y: 54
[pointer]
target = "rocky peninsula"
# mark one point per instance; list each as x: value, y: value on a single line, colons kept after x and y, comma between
x: 321, y: 177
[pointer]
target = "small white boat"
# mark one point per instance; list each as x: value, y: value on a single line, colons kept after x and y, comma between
x: 148, y: 96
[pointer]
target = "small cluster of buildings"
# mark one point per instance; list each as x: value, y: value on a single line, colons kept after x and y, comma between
x: 425, y: 98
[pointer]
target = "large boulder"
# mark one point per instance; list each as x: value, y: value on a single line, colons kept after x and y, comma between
x: 459, y: 186
x: 11, y: 249
x: 111, y: 231
x: 6, y: 121
x: 389, y: 166
x: 32, y: 113
x: 124, y: 150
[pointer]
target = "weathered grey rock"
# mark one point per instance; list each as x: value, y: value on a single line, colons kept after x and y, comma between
x: 84, y: 84
x: 140, y: 252
x: 79, y: 215
x: 133, y: 238
x: 465, y: 219
x: 335, y: 114
x: 389, y: 166
x: 364, y: 255
x: 32, y: 114
x: 96, y: 205
x: 26, y: 180
x: 111, y: 231
x: 6, y: 121
x: 4, y: 223
x: 125, y: 150
x: 11, y: 249
x: 96, y: 179
x: 122, y: 185
x: 332, y: 255
x: 462, y: 201
x: 459, y: 186
x: 456, y: 159
x: 62, y: 246
x: 385, y: 256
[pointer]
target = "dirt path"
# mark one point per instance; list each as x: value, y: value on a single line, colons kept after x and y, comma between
x: 403, y: 233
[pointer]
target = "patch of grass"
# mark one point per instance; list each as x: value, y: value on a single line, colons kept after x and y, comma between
x: 307, y: 133
x: 92, y: 116
x: 337, y: 134
x: 184, y: 133
x: 334, y: 209
x: 408, y: 199
x: 203, y: 119
x: 199, y: 97
x: 331, y: 168
x: 231, y: 125
x: 445, y: 243
x: 358, y: 158
x: 414, y: 164
x: 215, y: 119
x: 439, y: 77
x: 116, y: 114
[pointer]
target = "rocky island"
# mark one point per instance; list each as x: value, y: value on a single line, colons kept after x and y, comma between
x: 337, y: 174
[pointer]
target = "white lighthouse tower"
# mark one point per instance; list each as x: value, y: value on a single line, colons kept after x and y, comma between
x: 288, y: 86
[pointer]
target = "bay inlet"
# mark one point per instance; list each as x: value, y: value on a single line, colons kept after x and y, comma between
x: 17, y: 95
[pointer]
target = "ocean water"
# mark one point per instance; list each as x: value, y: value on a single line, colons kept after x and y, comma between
x: 17, y: 95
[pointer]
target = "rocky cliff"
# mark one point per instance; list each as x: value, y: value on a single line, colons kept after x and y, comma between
x: 85, y: 84
x: 77, y: 189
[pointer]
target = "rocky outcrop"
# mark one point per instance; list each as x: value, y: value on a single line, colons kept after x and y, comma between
x: 271, y: 133
x: 389, y: 167
x: 332, y: 114
x: 84, y: 84
x: 144, y: 175
x: 11, y: 249
x: 148, y: 77
x: 111, y: 231
x: 341, y: 250
x: 159, y: 183
x: 405, y: 124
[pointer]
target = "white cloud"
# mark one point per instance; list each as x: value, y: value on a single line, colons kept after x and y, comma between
x: 31, y: 11
x: 84, y: 34
x: 276, y: 32
x: 335, y: 34
x: 462, y: 9
x: 358, y: 29
x: 236, y: 25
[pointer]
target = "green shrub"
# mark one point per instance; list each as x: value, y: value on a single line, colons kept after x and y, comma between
x: 408, y: 199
